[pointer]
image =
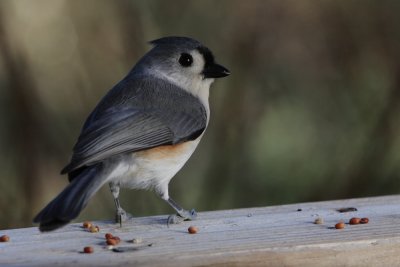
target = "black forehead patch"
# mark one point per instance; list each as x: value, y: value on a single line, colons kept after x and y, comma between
x: 177, y: 42
x: 207, y: 54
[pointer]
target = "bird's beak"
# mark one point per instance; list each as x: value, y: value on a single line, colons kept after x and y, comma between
x: 215, y: 71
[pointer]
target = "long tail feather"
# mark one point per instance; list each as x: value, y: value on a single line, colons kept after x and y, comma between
x: 70, y: 202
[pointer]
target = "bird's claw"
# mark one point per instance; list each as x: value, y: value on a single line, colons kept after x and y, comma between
x: 122, y: 216
x: 182, y: 216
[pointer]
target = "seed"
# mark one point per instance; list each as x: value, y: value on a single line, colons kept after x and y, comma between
x: 339, y: 225
x: 94, y: 229
x: 88, y: 250
x: 111, y: 242
x: 354, y: 220
x: 108, y: 236
x: 4, y: 238
x: 349, y: 209
x: 193, y: 230
x: 116, y: 238
x: 136, y: 240
x: 319, y: 220
x: 364, y: 220
x: 87, y: 224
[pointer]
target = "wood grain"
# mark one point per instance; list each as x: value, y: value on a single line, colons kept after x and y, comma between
x: 268, y: 236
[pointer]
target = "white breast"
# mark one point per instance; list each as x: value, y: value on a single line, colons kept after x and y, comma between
x: 153, y: 168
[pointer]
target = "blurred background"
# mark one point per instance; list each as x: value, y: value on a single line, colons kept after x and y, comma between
x: 311, y: 111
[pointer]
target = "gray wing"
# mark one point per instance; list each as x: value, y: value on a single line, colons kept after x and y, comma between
x: 138, y: 114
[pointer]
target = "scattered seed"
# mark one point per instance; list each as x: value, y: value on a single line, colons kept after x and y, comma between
x: 94, y: 229
x: 115, y: 240
x: 339, y: 225
x: 108, y: 236
x: 111, y: 242
x: 4, y: 238
x: 137, y: 240
x: 319, y: 220
x: 347, y: 209
x: 87, y: 224
x: 364, y: 220
x: 88, y: 250
x: 354, y: 220
x: 193, y: 230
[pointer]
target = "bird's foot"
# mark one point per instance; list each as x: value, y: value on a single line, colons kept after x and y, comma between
x: 122, y: 216
x: 184, y: 215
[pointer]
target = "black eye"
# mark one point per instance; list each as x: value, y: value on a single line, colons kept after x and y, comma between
x: 186, y: 60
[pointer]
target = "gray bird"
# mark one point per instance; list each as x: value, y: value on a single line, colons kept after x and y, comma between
x: 142, y: 132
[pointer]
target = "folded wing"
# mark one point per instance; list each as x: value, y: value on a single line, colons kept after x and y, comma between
x: 135, y: 115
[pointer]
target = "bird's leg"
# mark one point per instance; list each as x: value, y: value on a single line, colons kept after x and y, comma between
x: 121, y: 215
x: 183, y: 215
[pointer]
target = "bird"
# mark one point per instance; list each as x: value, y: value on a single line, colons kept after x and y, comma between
x: 142, y: 132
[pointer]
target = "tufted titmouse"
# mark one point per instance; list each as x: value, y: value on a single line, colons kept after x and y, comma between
x: 142, y: 132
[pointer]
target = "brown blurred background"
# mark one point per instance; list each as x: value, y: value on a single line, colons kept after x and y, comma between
x: 311, y: 110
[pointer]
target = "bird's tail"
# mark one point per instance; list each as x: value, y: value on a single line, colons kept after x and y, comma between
x: 69, y: 203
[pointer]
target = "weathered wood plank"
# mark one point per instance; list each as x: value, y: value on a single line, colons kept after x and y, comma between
x: 269, y: 236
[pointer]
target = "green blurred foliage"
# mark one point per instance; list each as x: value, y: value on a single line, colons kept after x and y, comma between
x: 310, y: 112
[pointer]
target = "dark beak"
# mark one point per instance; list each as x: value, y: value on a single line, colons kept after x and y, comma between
x: 215, y: 70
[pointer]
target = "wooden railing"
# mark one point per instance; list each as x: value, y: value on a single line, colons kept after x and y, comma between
x: 284, y: 235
